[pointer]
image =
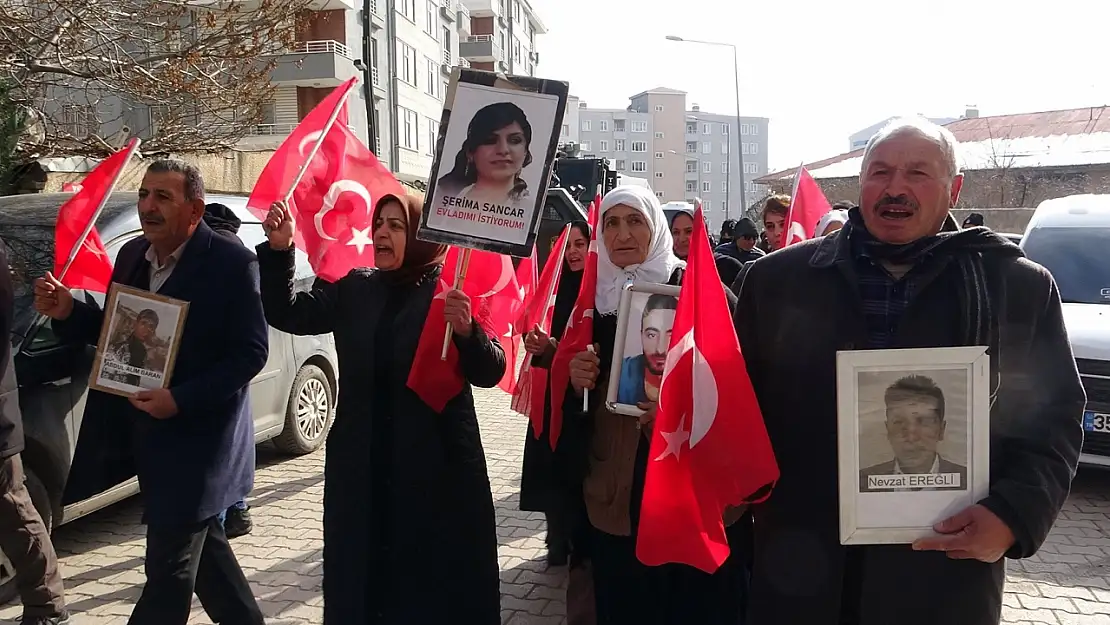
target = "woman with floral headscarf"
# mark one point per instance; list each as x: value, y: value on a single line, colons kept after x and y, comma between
x: 408, y: 509
x: 636, y: 245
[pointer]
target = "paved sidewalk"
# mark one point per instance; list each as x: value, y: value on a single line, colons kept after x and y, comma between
x: 1067, y: 583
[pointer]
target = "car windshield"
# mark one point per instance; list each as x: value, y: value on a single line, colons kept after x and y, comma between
x: 1076, y: 257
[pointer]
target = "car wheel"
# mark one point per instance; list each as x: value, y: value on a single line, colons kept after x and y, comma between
x: 41, y: 498
x: 309, y: 414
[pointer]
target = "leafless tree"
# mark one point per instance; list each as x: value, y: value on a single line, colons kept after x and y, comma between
x: 189, y: 74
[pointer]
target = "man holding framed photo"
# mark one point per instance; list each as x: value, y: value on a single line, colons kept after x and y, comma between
x: 901, y: 273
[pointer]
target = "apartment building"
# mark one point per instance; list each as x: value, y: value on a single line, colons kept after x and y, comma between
x: 683, y: 152
x: 503, y: 36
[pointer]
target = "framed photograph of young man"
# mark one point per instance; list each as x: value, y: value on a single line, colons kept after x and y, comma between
x: 138, y: 341
x: 913, y: 437
x: 645, y: 319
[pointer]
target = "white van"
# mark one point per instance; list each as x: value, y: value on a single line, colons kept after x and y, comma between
x: 1070, y: 236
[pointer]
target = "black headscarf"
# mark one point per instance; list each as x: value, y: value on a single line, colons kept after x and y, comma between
x: 569, y: 284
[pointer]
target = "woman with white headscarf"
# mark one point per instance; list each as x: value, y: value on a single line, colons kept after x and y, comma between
x: 635, y: 244
x: 830, y: 222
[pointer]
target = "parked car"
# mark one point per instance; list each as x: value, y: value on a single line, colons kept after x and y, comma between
x: 1070, y: 237
x: 293, y: 397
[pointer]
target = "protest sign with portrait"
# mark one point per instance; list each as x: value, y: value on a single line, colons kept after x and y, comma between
x: 914, y: 427
x: 496, y: 148
x: 138, y: 341
x: 645, y: 319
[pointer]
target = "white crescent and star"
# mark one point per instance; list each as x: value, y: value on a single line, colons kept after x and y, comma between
x: 675, y: 440
x: 704, y: 396
x: 91, y: 248
x: 360, y: 239
x: 503, y: 279
x: 338, y: 188
x: 795, y: 234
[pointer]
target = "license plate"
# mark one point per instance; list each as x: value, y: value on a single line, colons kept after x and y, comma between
x: 1096, y: 421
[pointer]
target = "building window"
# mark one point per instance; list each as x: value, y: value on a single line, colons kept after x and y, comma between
x: 660, y: 194
x: 433, y: 136
x: 724, y: 167
x: 639, y: 126
x: 618, y: 125
x: 691, y: 167
x: 585, y: 146
x: 408, y: 128
x: 691, y: 147
x: 603, y: 125
x: 707, y: 167
x: 725, y: 147
x: 691, y: 128
x: 751, y: 168
x: 516, y: 51
x: 691, y: 186
x: 639, y: 166
x: 658, y: 135
x: 751, y: 148
x: 658, y: 108
x: 706, y: 147
x: 446, y: 38
x: 79, y: 120
x: 433, y: 78
x: 724, y: 186
x: 639, y: 146
x: 408, y: 63
x: 619, y: 145
x: 707, y: 129
x: 753, y: 129
x: 706, y: 206
x: 408, y: 9
x: 603, y: 145
x: 620, y: 164
x: 755, y: 148
x: 658, y: 174
x: 430, y: 26
x: 516, y: 11
x: 705, y: 186
x: 725, y: 129
x: 658, y: 155
x: 446, y: 86
x: 566, y: 130
x: 586, y: 125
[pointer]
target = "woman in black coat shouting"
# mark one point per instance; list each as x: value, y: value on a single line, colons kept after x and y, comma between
x: 408, y: 509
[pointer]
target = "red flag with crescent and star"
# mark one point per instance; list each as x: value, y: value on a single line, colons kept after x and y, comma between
x: 91, y: 269
x: 530, y: 393
x: 334, y: 202
x: 579, y: 333
x: 507, y: 315
x: 807, y: 205
x: 709, y: 446
x: 491, y: 283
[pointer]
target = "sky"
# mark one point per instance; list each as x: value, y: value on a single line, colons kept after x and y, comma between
x: 822, y: 70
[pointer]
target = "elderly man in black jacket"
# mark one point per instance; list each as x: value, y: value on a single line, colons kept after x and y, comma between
x: 23, y: 535
x: 902, y: 274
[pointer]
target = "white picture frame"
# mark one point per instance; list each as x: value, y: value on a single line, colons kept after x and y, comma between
x: 628, y: 346
x: 888, y: 405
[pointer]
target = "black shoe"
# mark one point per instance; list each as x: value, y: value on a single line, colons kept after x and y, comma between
x: 238, y: 522
x: 62, y: 619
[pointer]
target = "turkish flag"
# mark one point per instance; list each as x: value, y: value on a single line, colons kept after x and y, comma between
x: 807, y: 205
x: 579, y: 333
x: 90, y: 268
x: 334, y: 201
x: 530, y: 391
x: 507, y: 318
x: 709, y: 446
x: 492, y: 286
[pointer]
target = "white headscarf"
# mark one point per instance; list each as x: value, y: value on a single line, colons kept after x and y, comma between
x: 835, y: 216
x: 660, y: 262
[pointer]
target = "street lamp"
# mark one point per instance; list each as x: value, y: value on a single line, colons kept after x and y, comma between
x: 740, y: 152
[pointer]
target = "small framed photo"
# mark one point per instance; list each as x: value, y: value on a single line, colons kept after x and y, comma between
x: 913, y: 438
x: 138, y: 341
x: 645, y: 319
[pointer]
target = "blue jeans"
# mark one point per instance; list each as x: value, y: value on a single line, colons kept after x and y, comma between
x: 238, y: 505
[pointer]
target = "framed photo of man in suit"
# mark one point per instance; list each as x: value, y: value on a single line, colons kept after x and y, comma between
x: 645, y: 319
x: 138, y: 341
x: 913, y: 430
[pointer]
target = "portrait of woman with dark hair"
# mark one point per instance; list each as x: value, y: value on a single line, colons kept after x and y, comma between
x: 488, y: 165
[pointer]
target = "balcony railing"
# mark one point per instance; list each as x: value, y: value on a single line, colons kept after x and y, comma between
x: 270, y: 130
x: 374, y: 7
x: 326, y: 46
x: 374, y: 75
x: 446, y: 57
x: 463, y: 62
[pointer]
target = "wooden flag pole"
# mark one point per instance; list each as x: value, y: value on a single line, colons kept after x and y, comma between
x: 132, y: 147
x: 316, y: 146
x: 460, y: 278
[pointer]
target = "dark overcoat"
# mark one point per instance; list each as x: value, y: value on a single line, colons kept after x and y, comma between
x: 797, y: 308
x: 419, y: 545
x: 195, y: 464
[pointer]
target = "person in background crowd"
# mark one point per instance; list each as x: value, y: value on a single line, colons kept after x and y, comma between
x: 726, y: 231
x: 773, y: 216
x: 408, y: 508
x: 830, y: 222
x: 634, y: 242
x: 24, y: 537
x: 974, y: 220
x: 727, y: 268
x: 542, y: 489
x: 742, y: 245
x: 763, y: 245
x: 194, y: 442
x: 222, y: 220
x: 902, y: 274
x: 682, y: 229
